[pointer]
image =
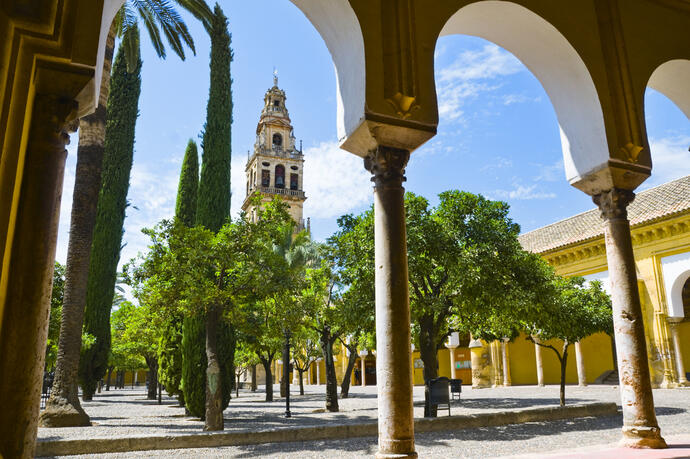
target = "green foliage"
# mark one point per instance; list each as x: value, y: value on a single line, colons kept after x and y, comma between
x: 214, y: 186
x: 193, y: 381
x: 157, y: 16
x: 121, y: 119
x: 55, y: 316
x: 185, y: 207
x: 170, y: 356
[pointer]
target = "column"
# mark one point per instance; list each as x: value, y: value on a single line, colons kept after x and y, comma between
x: 29, y: 274
x: 496, y: 363
x: 581, y: 377
x: 362, y: 357
x: 540, y: 364
x: 393, y: 364
x: 481, y: 364
x: 680, y: 368
x: 506, y: 363
x: 640, y: 427
x: 452, y: 344
x: 318, y: 372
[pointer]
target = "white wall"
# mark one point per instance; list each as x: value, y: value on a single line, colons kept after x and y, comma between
x: 675, y: 270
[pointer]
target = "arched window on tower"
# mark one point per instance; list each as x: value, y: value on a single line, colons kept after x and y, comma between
x: 277, y: 141
x: 280, y: 176
x: 294, y: 181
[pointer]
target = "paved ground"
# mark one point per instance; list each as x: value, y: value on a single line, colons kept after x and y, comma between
x: 127, y: 413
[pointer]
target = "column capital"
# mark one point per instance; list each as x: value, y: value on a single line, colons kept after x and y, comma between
x: 613, y: 203
x: 387, y: 164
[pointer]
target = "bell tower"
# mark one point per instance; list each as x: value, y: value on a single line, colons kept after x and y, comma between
x: 276, y: 166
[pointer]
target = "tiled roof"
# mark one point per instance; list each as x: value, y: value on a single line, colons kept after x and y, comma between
x: 655, y: 203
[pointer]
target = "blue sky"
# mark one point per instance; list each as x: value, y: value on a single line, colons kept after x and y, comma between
x: 497, y: 135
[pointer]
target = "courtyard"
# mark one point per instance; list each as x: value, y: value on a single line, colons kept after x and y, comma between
x: 127, y: 413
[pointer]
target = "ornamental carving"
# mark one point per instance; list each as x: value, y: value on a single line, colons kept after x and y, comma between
x: 613, y: 203
x: 387, y: 164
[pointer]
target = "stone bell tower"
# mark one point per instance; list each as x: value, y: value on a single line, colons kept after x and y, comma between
x: 276, y: 166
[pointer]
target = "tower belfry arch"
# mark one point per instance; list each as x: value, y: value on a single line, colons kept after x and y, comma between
x: 276, y: 165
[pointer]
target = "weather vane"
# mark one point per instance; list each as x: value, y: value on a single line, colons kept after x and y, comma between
x: 275, y: 76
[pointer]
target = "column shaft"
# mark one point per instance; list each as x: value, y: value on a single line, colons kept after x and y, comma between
x: 506, y: 363
x: 540, y: 364
x: 393, y: 358
x: 579, y: 358
x: 640, y: 427
x: 453, y: 371
x: 363, y: 378
x: 680, y: 368
x: 29, y: 276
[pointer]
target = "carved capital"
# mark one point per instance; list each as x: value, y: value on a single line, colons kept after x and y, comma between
x: 613, y: 203
x: 387, y: 164
x: 49, y: 123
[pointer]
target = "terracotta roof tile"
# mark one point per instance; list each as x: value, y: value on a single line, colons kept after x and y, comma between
x: 649, y: 205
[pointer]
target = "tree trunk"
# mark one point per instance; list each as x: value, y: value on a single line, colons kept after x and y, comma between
x: 564, y: 363
x: 269, y: 378
x: 237, y: 387
x: 352, y: 359
x: 331, y: 381
x: 107, y: 381
x: 214, y: 387
x: 152, y: 363
x: 63, y: 408
x: 160, y: 393
x: 301, y: 379
x: 254, y: 378
x: 428, y: 348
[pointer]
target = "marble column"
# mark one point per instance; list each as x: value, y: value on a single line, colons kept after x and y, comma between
x: 540, y: 363
x: 496, y: 363
x: 393, y: 359
x: 506, y: 363
x: 579, y: 359
x: 362, y: 362
x: 675, y: 337
x: 29, y: 275
x: 453, y: 370
x: 640, y: 427
x: 318, y: 372
x: 480, y: 355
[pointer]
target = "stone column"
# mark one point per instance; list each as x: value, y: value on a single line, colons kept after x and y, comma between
x: 481, y: 364
x: 506, y: 363
x: 393, y: 364
x: 680, y: 368
x: 362, y: 357
x: 540, y: 364
x: 318, y: 372
x: 496, y: 363
x: 29, y: 276
x: 581, y: 377
x: 640, y: 427
x: 451, y: 345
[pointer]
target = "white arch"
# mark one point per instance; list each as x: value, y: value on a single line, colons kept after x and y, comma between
x: 676, y: 271
x: 337, y: 24
x: 557, y: 66
x: 672, y: 79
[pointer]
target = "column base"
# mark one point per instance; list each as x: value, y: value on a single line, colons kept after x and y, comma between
x: 642, y: 438
x: 396, y: 449
x: 395, y: 456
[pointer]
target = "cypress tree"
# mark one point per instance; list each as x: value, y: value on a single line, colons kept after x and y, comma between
x: 170, y: 354
x: 208, y: 342
x: 122, y: 112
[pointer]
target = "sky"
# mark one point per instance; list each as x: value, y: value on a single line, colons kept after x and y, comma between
x: 497, y: 135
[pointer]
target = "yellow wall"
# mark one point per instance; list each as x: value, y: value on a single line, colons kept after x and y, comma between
x: 684, y: 333
x: 523, y: 364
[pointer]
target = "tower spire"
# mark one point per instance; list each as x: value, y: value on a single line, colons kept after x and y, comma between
x: 275, y: 77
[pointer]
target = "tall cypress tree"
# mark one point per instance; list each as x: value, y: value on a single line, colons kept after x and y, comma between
x: 170, y: 346
x: 211, y: 388
x: 122, y: 112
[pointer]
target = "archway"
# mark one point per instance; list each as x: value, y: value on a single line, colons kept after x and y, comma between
x: 558, y: 67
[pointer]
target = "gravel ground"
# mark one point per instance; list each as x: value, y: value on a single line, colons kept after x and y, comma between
x: 129, y: 415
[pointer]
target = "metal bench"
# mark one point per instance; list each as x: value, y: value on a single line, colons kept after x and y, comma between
x: 439, y: 392
x: 455, y: 388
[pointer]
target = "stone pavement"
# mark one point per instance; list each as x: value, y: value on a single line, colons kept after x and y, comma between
x: 126, y: 413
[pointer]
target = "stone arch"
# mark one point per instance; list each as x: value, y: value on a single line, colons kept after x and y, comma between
x: 672, y: 79
x: 558, y: 67
x: 279, y: 176
x: 675, y: 299
x: 339, y: 27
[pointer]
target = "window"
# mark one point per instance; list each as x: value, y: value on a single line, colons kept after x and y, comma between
x: 277, y: 141
x: 276, y: 103
x: 294, y: 181
x: 265, y: 178
x: 280, y: 177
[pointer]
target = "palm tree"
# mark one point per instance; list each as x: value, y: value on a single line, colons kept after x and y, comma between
x: 63, y: 408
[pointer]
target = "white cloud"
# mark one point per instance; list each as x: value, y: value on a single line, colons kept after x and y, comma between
x: 510, y: 99
x: 521, y: 192
x: 670, y: 159
x: 467, y: 77
x: 335, y: 181
x: 550, y: 172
